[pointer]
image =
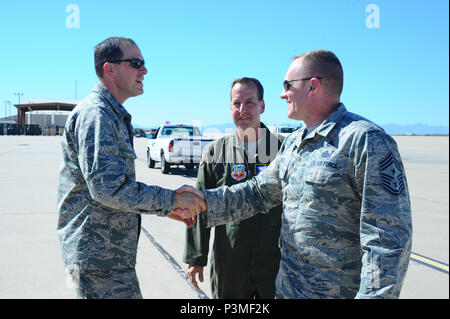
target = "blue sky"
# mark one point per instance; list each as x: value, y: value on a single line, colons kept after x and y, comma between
x: 397, y: 72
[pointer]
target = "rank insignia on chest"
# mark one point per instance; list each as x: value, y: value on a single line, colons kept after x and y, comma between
x: 238, y: 172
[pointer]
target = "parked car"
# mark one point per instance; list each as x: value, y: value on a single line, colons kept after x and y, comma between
x: 138, y: 132
x: 176, y: 145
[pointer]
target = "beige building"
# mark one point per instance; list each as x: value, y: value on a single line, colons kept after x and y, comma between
x: 47, y: 115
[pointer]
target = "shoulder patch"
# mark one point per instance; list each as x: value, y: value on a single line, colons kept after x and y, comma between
x: 392, y: 175
x: 238, y: 172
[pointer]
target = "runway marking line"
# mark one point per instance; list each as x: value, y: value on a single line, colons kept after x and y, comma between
x: 12, y: 149
x: 435, y: 264
x: 7, y: 151
x: 200, y: 293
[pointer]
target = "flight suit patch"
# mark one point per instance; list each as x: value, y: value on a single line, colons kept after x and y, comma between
x: 238, y: 172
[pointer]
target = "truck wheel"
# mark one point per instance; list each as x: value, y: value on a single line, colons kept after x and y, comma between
x: 165, y: 167
x: 150, y: 162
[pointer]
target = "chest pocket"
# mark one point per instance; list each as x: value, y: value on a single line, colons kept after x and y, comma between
x: 321, y: 177
x: 322, y: 188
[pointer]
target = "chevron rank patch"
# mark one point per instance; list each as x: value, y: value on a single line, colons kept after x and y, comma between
x: 392, y: 175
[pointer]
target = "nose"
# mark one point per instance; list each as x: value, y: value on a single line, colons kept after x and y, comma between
x: 243, y: 107
x: 143, y: 70
x: 283, y: 95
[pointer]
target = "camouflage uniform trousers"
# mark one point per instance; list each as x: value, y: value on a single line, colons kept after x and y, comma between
x: 106, y: 284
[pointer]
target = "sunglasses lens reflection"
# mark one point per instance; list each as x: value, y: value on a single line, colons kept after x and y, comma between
x: 136, y: 63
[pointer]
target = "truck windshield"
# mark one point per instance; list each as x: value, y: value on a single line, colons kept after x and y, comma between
x: 180, y: 130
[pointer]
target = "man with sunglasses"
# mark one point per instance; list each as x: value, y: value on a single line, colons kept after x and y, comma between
x: 346, y: 223
x: 99, y: 200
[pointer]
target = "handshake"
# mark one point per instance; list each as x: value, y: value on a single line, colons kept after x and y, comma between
x: 189, y: 203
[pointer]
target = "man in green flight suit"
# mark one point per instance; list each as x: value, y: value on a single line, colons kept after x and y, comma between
x: 246, y: 256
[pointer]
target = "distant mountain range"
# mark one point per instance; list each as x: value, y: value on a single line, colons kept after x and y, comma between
x: 230, y: 126
x: 392, y: 129
x: 415, y: 129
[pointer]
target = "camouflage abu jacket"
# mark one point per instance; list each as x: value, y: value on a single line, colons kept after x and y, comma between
x: 99, y: 200
x: 346, y: 224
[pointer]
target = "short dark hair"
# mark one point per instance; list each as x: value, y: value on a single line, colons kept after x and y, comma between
x: 324, y: 63
x: 109, y: 50
x: 250, y: 81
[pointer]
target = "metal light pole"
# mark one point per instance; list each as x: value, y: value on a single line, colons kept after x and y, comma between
x: 9, y: 102
x: 18, y: 95
x: 6, y: 108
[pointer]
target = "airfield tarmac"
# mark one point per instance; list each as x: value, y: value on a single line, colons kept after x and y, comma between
x: 31, y: 265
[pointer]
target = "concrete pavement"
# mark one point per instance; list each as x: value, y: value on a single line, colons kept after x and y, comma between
x: 31, y: 265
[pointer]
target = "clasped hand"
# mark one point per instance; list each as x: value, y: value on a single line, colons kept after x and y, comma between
x: 189, y: 203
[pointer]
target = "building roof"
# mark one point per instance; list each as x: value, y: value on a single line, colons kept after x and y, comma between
x: 46, y: 105
x: 42, y: 105
x: 9, y: 120
x: 49, y: 101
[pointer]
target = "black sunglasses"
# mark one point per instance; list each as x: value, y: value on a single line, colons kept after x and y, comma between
x: 135, y: 63
x: 287, y: 83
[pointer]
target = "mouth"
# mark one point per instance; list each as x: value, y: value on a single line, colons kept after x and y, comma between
x: 243, y: 117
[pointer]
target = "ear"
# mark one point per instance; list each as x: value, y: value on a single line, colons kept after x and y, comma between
x: 108, y: 69
x: 263, y: 107
x: 316, y: 85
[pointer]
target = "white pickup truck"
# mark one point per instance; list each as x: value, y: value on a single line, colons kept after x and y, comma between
x: 176, y: 145
x: 281, y: 130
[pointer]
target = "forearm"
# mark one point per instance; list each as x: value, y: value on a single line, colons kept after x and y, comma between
x: 128, y: 195
x: 385, y: 219
x: 197, y: 244
x: 386, y: 243
x: 241, y: 201
x: 108, y: 169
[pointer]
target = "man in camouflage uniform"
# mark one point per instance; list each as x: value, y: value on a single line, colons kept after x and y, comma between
x: 99, y: 199
x: 346, y: 224
x: 246, y: 257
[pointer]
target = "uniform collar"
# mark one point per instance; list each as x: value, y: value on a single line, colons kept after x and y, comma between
x: 330, y: 122
x: 238, y: 143
x: 118, y: 108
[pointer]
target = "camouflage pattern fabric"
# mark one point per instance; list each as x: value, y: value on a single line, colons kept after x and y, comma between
x: 99, y: 200
x: 106, y: 284
x: 346, y: 223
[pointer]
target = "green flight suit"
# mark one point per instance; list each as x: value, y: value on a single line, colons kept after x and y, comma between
x: 245, y: 258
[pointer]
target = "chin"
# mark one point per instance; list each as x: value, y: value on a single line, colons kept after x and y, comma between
x: 292, y: 114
